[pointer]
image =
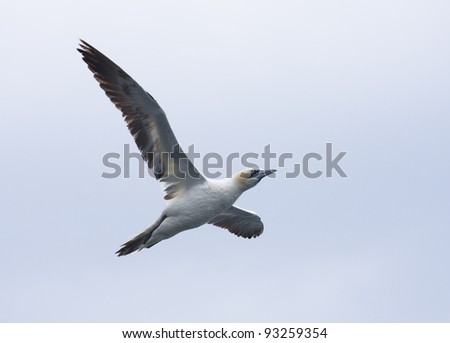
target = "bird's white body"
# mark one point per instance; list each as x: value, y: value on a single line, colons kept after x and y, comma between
x: 195, y: 207
x: 203, y: 202
x: 192, y: 199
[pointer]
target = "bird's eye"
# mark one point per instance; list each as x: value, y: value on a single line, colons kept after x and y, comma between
x: 253, y: 172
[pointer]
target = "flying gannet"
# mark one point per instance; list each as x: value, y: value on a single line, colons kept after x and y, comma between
x: 192, y: 199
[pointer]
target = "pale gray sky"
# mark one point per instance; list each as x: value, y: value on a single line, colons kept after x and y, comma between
x: 233, y: 76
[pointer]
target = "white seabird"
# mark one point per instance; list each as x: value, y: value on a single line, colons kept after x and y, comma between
x: 192, y: 199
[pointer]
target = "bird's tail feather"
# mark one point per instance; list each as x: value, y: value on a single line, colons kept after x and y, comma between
x: 139, y: 242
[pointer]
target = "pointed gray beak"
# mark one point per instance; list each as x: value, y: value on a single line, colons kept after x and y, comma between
x: 264, y: 173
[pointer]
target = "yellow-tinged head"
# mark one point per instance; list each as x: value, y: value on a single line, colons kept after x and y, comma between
x: 249, y: 177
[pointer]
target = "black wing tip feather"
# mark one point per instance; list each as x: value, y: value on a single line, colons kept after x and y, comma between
x: 250, y: 236
x: 85, y: 47
x: 239, y: 229
x: 100, y: 64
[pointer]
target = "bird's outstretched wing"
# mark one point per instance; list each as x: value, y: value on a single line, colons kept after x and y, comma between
x: 146, y: 121
x: 241, y: 222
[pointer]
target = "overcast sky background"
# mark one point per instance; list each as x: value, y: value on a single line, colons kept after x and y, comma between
x: 371, y: 77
